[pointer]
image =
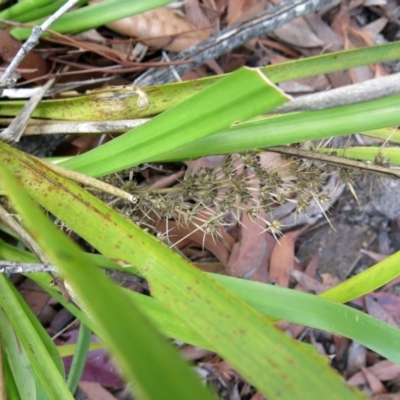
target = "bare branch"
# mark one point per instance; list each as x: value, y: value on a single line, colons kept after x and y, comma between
x: 14, y: 267
x: 232, y: 37
x: 37, y: 31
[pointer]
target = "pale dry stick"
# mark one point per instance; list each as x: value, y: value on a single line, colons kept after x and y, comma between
x: 28, y: 240
x: 89, y: 181
x: 49, y: 127
x: 65, y: 329
x: 11, y: 223
x: 25, y: 93
x: 64, y: 87
x: 32, y: 41
x: 232, y: 37
x: 15, y: 267
x: 359, y: 92
x: 14, y: 131
x: 338, y: 161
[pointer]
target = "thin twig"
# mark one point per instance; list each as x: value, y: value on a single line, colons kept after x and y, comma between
x: 16, y: 267
x: 25, y: 93
x: 11, y: 223
x: 28, y: 240
x: 232, y: 37
x: 33, y: 40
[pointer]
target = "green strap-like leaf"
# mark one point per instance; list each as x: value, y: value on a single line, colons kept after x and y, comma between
x: 31, y: 341
x: 260, y: 352
x: 95, y: 15
x: 144, y: 356
x: 17, y: 359
x: 273, y: 301
x: 90, y: 107
x: 241, y: 95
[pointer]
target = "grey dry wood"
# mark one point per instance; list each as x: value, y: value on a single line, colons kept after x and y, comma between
x: 232, y: 37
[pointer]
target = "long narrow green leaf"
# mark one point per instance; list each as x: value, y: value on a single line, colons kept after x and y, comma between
x: 292, y: 128
x: 265, y: 132
x: 239, y: 96
x: 239, y: 333
x: 41, y: 12
x: 80, y: 357
x: 392, y: 135
x: 12, y: 390
x: 142, y: 353
x: 392, y: 154
x: 18, y: 361
x: 273, y: 301
x: 41, y: 332
x: 32, y: 343
x: 92, y: 108
x: 367, y: 281
x: 316, y: 312
x: 22, y: 7
x: 95, y: 15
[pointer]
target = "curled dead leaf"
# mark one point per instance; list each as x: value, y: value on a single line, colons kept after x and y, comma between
x: 160, y: 28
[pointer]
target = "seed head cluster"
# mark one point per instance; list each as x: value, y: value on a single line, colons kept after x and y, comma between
x: 213, y: 198
x: 209, y: 199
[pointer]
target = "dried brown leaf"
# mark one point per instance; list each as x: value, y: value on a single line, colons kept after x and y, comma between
x: 195, y: 14
x: 33, y: 62
x: 242, y: 10
x: 167, y: 181
x: 332, y: 41
x: 189, y: 352
x: 250, y: 254
x: 307, y: 282
x: 160, y: 28
x: 310, y: 271
x: 374, y: 383
x: 282, y: 259
x: 298, y: 33
x: 386, y: 396
x: 375, y: 256
x: 383, y: 370
x: 389, y: 302
x: 94, y: 391
x: 376, y: 310
x: 175, y: 233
